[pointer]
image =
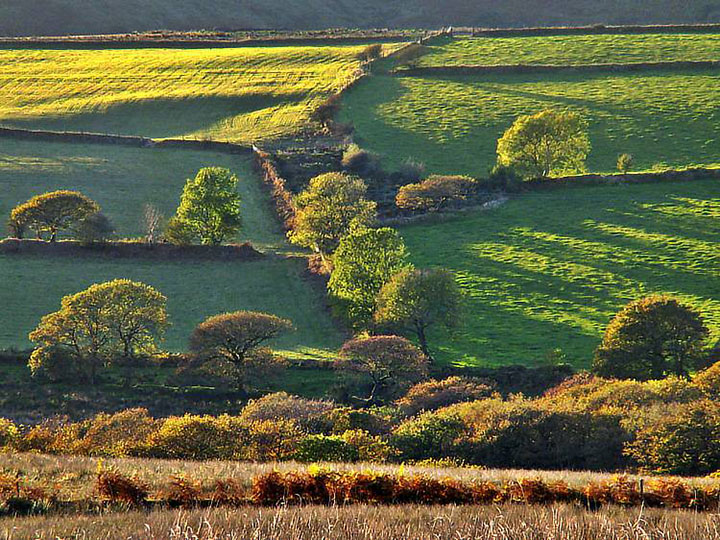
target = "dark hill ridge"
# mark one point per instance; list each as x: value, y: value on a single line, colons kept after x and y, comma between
x: 63, y: 17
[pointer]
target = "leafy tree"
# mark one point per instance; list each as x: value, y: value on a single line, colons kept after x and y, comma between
x: 388, y: 361
x: 95, y: 228
x: 625, y: 162
x: 97, y: 325
x: 364, y: 262
x: 210, y: 205
x: 650, y: 339
x: 238, y: 338
x: 415, y: 300
x: 51, y: 213
x: 434, y: 193
x: 328, y: 209
x: 549, y: 142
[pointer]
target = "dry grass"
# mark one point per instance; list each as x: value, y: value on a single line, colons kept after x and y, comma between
x: 557, y: 522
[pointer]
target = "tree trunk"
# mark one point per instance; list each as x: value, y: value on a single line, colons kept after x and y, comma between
x: 422, y: 338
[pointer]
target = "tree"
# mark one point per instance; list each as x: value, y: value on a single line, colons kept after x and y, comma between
x: 365, y: 260
x: 550, y: 142
x: 103, y: 322
x: 151, y: 222
x: 51, y: 213
x: 238, y: 338
x: 332, y: 204
x: 415, y: 300
x: 625, y: 163
x: 434, y: 193
x: 388, y: 361
x: 95, y: 228
x: 650, y: 339
x: 210, y: 205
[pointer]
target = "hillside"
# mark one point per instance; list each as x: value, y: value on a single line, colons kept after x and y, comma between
x: 39, y: 17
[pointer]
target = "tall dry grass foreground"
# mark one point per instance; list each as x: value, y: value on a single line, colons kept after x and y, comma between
x: 559, y: 522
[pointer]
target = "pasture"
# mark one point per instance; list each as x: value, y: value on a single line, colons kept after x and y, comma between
x: 452, y: 123
x: 572, y: 50
x: 548, y: 270
x: 243, y: 94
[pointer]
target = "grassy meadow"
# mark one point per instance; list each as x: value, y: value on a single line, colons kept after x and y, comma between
x: 572, y: 50
x: 123, y: 180
x: 243, y: 94
x: 665, y: 119
x: 548, y: 270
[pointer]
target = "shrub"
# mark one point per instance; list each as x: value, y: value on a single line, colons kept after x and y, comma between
x: 325, y: 448
x: 56, y: 364
x: 368, y: 447
x: 681, y: 439
x: 429, y: 435
x: 708, y: 381
x: 436, y: 193
x: 505, y: 178
x: 433, y: 394
x: 95, y: 228
x: 178, y: 232
x: 411, y: 171
x: 651, y: 338
x: 9, y: 433
x: 357, y: 161
x: 272, y: 440
x: 625, y: 162
x: 183, y: 491
x: 118, y: 488
x: 198, y: 438
x: 618, y: 490
x: 373, y: 420
x: 307, y: 413
x: 118, y: 435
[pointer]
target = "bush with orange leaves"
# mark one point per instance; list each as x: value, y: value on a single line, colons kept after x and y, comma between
x: 115, y: 487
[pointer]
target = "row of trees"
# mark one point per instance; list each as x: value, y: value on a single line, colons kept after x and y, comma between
x: 209, y: 213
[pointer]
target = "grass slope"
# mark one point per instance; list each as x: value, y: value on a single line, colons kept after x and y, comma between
x: 549, y: 270
x: 123, y: 180
x: 453, y: 123
x: 32, y: 17
x: 238, y: 94
x: 570, y: 50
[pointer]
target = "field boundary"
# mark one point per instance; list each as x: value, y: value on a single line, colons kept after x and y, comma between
x: 130, y: 250
x: 123, y: 140
x: 597, y: 179
x: 276, y: 185
x: 557, y: 68
x: 708, y: 28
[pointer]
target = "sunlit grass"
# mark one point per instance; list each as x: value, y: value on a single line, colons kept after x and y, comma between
x: 577, y: 49
x: 665, y: 119
x: 243, y: 94
x: 548, y: 270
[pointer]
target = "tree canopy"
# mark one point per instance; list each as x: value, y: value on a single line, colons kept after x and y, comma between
x: 549, y: 142
x: 365, y: 260
x: 103, y: 322
x: 414, y: 300
x: 436, y: 192
x: 51, y: 213
x: 210, y: 206
x: 651, y: 338
x: 238, y: 338
x: 332, y: 205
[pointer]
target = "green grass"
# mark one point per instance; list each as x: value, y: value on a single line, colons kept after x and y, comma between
x: 244, y: 94
x: 453, y: 123
x: 123, y: 180
x: 549, y: 270
x: 579, y: 49
x: 33, y: 286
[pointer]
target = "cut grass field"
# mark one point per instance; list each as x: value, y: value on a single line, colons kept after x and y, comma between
x: 572, y: 50
x: 244, y: 94
x: 452, y: 123
x: 123, y: 180
x: 548, y: 270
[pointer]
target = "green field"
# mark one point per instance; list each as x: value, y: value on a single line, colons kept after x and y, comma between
x: 548, y: 270
x: 572, y: 50
x: 123, y: 180
x: 243, y: 94
x: 452, y: 123
x: 33, y: 286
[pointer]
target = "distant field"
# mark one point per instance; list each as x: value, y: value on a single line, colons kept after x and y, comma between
x: 122, y: 180
x: 238, y: 94
x: 549, y: 270
x: 33, y: 286
x: 578, y: 49
x: 453, y: 123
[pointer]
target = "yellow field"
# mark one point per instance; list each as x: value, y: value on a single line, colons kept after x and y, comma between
x: 243, y: 94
